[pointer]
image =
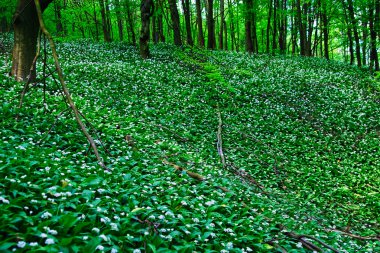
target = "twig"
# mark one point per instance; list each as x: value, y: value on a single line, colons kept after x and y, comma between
x: 374, y: 238
x: 64, y: 87
x: 305, y: 243
x: 191, y: 174
x: 97, y: 135
x: 51, y: 128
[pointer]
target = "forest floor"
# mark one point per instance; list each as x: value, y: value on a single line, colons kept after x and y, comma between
x: 206, y: 152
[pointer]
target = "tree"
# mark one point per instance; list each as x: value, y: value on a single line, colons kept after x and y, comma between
x: 26, y: 28
x: 147, y: 10
x: 105, y: 22
x: 201, y: 38
x: 210, y: 25
x: 355, y: 28
x: 186, y: 12
x: 175, y: 22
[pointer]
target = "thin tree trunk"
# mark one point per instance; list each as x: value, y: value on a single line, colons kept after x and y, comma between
x: 175, y: 22
x: 201, y: 38
x: 222, y: 23
x: 186, y: 12
x: 232, y: 24
x: 210, y: 25
x: 130, y: 23
x: 325, y: 31
x: 119, y: 20
x: 146, y: 10
x: 268, y: 25
x: 106, y: 32
x: 356, y: 34
x: 248, y: 26
x: 274, y: 38
x: 374, y: 58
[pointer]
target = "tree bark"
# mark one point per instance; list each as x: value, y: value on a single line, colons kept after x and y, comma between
x: 106, y: 31
x: 119, y: 20
x: 26, y: 26
x: 248, y: 26
x: 356, y: 34
x: 325, y: 31
x: 175, y: 22
x: 186, y: 12
x: 210, y: 25
x: 201, y: 38
x: 130, y: 23
x: 222, y: 23
x: 146, y: 10
x: 374, y: 58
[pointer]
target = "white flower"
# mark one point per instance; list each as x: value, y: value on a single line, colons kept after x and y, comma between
x: 52, y: 232
x: 46, y: 215
x: 5, y: 201
x: 196, y: 220
x: 85, y: 237
x: 210, y: 203
x: 113, y: 250
x: 299, y: 245
x: 136, y: 251
x: 213, y: 235
x: 21, y: 244
x: 43, y: 235
x: 230, y: 245
x: 96, y: 230
x: 103, y: 237
x: 49, y: 241
x: 161, y: 217
x: 114, y: 227
x: 99, y: 247
x: 33, y: 244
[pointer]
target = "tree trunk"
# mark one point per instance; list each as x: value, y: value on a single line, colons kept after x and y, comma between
x: 58, y: 17
x: 26, y: 28
x: 248, y: 26
x: 106, y: 31
x: 130, y: 23
x: 222, y: 23
x: 232, y: 24
x: 268, y: 26
x: 325, y: 31
x: 356, y: 34
x: 374, y: 58
x: 274, y: 40
x: 160, y: 27
x: 146, y: 10
x: 186, y: 12
x: 210, y: 25
x: 119, y: 20
x: 302, y: 30
x: 201, y: 38
x: 175, y: 22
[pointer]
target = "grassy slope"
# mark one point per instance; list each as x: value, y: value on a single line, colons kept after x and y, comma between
x: 305, y: 129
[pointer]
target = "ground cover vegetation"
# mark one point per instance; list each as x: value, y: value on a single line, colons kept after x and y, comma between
x: 207, y: 151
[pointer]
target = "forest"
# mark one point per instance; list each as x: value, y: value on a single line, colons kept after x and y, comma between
x: 190, y: 126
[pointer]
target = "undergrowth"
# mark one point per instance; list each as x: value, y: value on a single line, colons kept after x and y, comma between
x: 300, y: 138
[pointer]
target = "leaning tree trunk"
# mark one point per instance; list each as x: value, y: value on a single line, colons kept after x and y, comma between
x: 26, y: 28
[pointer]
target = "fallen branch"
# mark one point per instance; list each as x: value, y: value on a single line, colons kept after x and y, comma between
x: 64, y: 87
x: 364, y: 238
x: 305, y: 243
x: 189, y: 173
x: 219, y: 144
